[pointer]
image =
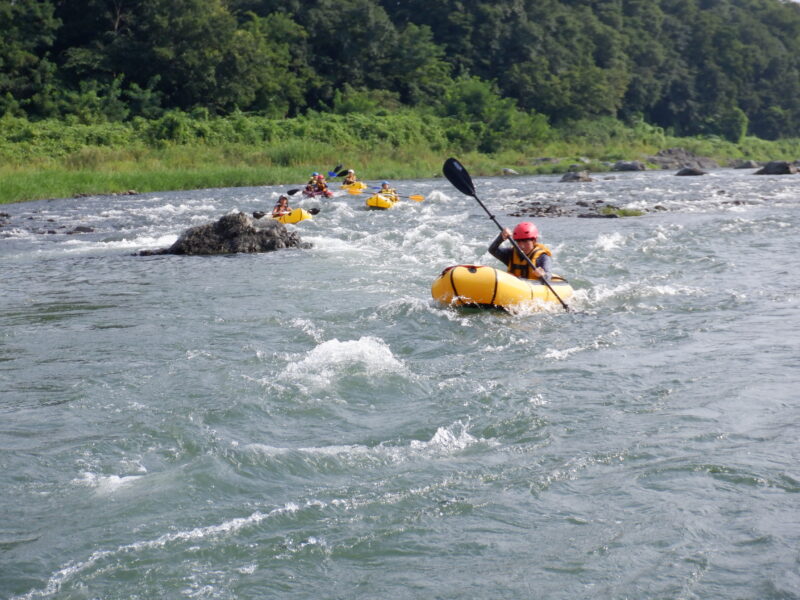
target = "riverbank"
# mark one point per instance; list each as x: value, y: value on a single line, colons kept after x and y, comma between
x: 52, y: 159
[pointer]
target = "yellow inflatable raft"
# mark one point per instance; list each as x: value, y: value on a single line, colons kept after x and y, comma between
x: 297, y: 215
x: 357, y: 186
x: 382, y: 201
x: 482, y: 286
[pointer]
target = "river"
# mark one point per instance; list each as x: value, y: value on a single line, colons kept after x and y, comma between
x: 310, y: 424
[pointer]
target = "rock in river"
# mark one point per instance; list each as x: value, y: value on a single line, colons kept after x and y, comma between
x: 235, y: 232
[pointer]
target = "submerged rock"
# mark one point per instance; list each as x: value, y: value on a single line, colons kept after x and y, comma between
x: 689, y: 171
x: 778, y: 167
x: 576, y: 176
x: 675, y: 158
x: 233, y: 233
x: 628, y: 165
x: 80, y: 229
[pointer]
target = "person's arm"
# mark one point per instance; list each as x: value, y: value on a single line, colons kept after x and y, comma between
x: 545, y: 263
x: 501, y: 254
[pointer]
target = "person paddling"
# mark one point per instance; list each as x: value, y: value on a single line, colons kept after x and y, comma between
x: 281, y: 207
x: 526, y: 234
x: 351, y: 178
x: 388, y: 191
x: 321, y: 187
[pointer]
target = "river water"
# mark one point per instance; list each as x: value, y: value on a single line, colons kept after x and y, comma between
x: 310, y: 424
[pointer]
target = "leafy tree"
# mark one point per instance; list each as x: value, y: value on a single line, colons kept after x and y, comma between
x: 496, y: 121
x: 693, y: 66
x: 732, y: 124
x: 350, y: 41
x: 27, y: 75
x: 258, y: 70
x: 417, y: 69
x: 347, y: 100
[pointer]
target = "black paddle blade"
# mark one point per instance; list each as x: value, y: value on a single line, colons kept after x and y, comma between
x: 293, y: 192
x: 313, y: 211
x: 458, y: 176
x: 342, y: 173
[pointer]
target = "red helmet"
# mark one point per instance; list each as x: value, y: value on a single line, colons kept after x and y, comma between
x: 526, y: 231
x: 320, y: 176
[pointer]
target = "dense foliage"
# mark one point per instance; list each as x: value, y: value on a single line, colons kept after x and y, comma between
x: 503, y: 70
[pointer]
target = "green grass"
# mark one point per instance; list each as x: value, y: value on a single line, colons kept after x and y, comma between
x: 58, y: 160
x: 621, y: 212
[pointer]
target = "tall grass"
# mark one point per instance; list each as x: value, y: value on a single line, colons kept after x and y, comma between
x: 51, y: 159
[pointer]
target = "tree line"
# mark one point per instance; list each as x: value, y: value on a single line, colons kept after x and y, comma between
x: 505, y: 69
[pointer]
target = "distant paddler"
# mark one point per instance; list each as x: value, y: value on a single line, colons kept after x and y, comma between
x: 352, y: 184
x: 286, y: 215
x: 317, y: 187
x: 281, y: 207
x: 351, y: 178
x: 388, y: 192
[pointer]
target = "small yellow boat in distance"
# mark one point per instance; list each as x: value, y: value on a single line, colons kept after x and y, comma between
x: 487, y: 287
x: 381, y: 201
x: 297, y: 215
x: 358, y: 185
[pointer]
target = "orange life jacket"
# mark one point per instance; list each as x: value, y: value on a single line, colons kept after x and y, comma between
x: 517, y: 265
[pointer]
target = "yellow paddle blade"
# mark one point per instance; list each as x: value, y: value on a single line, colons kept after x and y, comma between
x: 417, y: 198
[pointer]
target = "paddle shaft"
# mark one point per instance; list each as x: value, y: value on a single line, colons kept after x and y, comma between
x: 415, y: 197
x: 521, y: 253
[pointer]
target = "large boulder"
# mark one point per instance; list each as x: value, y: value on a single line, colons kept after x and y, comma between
x: 777, y: 167
x: 235, y: 232
x: 690, y: 171
x: 628, y: 165
x: 676, y: 158
x: 746, y: 164
x: 576, y: 176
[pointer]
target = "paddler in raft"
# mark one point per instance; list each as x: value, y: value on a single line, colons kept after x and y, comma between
x: 526, y: 234
x: 320, y: 187
x: 387, y: 191
x: 281, y: 207
x: 312, y: 183
x: 350, y: 178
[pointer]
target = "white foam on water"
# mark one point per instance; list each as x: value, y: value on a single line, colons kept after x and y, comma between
x: 106, y: 484
x: 638, y: 289
x: 422, y: 245
x: 323, y: 364
x: 309, y: 328
x: 320, y: 451
x: 402, y: 307
x: 609, y: 241
x: 437, y: 196
x: 162, y: 210
x: 533, y: 307
x: 447, y: 440
x: 18, y: 233
x: 71, y: 570
x: 332, y: 245
x: 564, y: 353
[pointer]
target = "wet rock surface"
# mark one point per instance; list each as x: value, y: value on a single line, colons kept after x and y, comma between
x: 678, y: 158
x: 778, y: 167
x: 233, y: 233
